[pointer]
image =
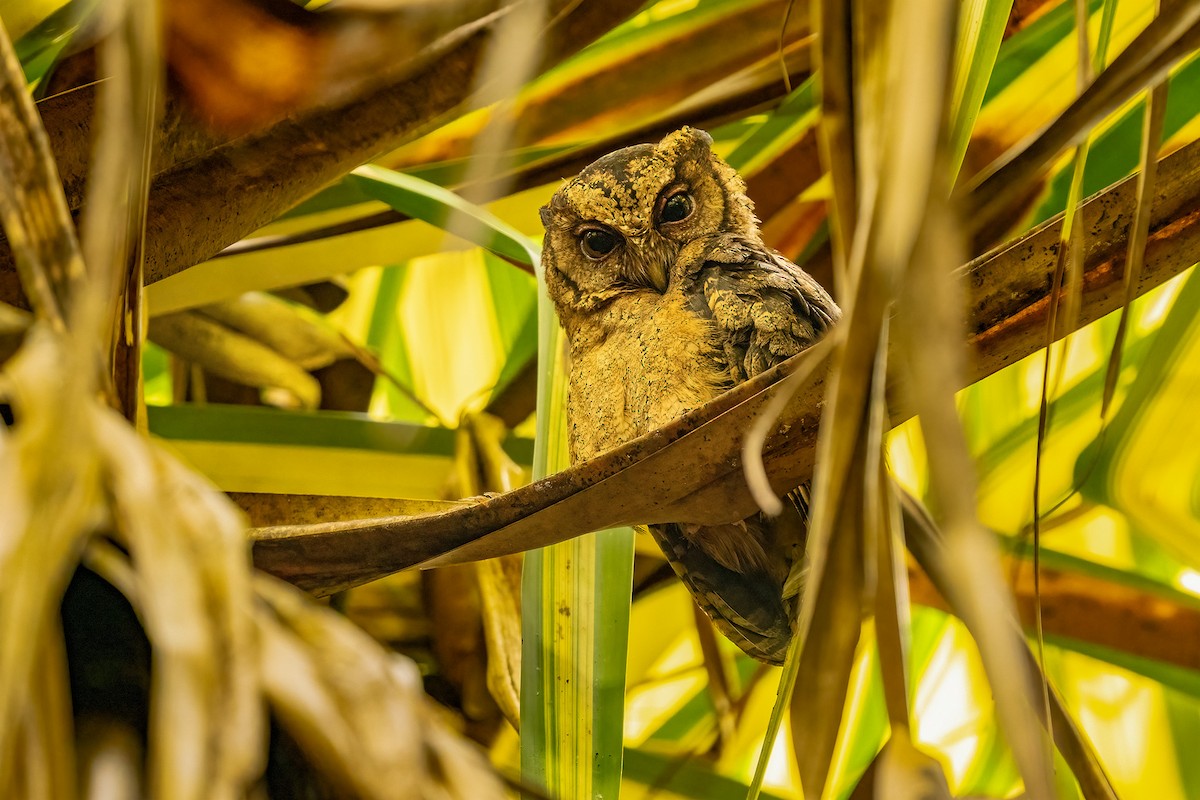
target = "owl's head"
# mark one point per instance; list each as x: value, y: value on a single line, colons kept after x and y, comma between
x: 640, y: 219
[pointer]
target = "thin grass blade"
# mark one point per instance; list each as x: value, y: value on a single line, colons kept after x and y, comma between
x: 837, y: 128
x: 1152, y: 131
x: 981, y: 26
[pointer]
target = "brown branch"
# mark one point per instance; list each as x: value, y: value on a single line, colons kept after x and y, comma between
x: 317, y: 58
x: 210, y: 190
x: 690, y: 471
x: 1097, y: 611
x: 32, y: 211
x: 264, y: 509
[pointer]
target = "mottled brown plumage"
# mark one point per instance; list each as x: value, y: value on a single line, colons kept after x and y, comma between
x: 669, y: 297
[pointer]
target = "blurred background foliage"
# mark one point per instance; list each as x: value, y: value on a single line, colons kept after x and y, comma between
x: 379, y: 341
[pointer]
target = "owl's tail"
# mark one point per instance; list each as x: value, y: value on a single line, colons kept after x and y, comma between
x: 747, y: 607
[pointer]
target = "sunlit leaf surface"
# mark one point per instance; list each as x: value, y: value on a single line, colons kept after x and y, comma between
x: 439, y: 309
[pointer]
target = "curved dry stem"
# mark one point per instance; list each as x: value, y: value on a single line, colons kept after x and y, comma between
x: 755, y: 468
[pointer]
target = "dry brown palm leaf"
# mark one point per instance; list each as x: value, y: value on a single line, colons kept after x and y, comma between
x: 837, y: 132
x: 907, y: 773
x: 902, y: 180
x: 79, y: 477
x: 932, y: 366
x: 190, y: 585
x: 358, y: 712
x: 475, y: 608
x: 54, y: 500
x: 836, y: 581
x: 499, y: 578
x: 51, y: 502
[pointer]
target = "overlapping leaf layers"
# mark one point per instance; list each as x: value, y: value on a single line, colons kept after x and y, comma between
x: 975, y: 180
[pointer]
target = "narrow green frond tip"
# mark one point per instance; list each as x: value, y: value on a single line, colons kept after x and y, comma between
x: 444, y: 209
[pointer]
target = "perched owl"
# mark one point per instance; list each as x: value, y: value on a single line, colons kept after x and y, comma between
x: 669, y: 297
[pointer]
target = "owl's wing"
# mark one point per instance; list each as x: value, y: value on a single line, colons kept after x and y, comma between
x: 765, y: 308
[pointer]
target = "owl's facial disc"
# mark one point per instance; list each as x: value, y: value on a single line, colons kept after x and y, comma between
x: 636, y: 256
x: 636, y: 219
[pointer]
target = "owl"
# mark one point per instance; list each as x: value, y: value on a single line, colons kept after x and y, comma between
x: 668, y: 297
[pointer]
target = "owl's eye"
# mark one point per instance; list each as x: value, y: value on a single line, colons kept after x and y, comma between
x: 597, y: 243
x: 676, y: 208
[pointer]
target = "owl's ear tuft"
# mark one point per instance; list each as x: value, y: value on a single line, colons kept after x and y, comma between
x: 686, y: 141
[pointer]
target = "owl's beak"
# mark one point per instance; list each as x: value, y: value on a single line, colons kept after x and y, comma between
x: 652, y: 274
x: 656, y: 275
x: 648, y: 266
